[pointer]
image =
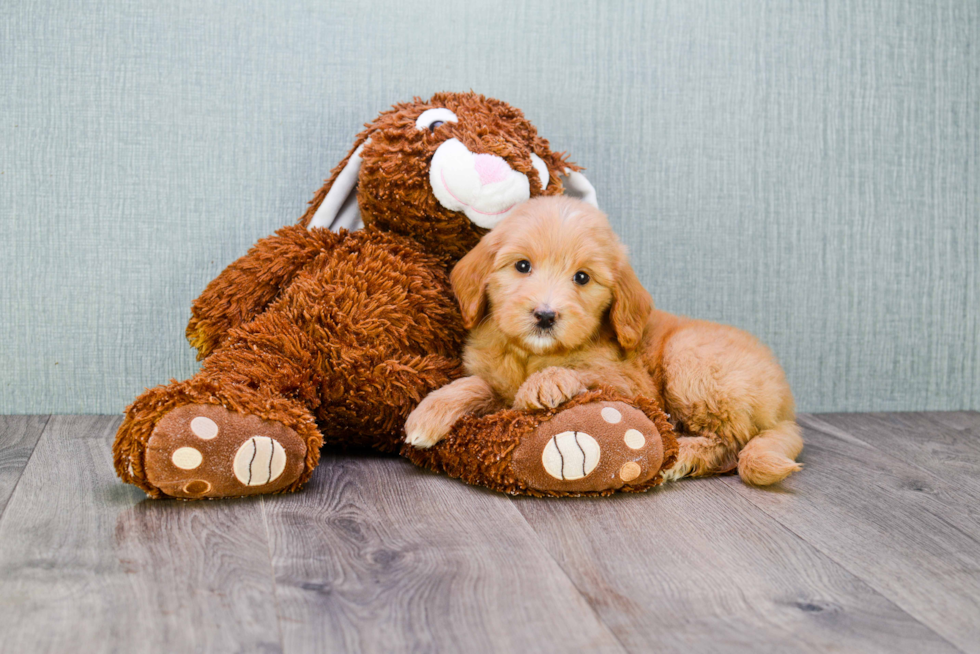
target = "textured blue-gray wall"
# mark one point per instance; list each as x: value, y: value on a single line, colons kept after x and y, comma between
x: 805, y: 170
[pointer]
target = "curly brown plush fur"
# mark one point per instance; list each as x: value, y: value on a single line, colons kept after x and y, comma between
x: 327, y: 337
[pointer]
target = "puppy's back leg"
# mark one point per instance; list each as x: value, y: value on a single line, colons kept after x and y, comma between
x: 731, y: 394
x: 702, y: 455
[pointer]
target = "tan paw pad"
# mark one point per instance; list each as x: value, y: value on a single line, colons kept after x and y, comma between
x: 197, y: 487
x: 634, y: 439
x: 570, y: 455
x: 611, y: 415
x: 259, y: 461
x: 204, y: 428
x: 629, y: 471
x: 187, y: 458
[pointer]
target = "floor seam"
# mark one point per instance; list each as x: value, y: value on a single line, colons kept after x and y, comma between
x: 272, y: 573
x: 585, y: 598
x: 13, y: 491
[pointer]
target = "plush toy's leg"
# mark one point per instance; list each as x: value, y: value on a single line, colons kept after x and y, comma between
x: 243, y: 425
x: 596, y: 444
x: 350, y: 415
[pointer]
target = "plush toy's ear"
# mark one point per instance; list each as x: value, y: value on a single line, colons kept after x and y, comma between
x: 339, y: 207
x: 469, y: 278
x: 578, y: 187
x: 631, y: 306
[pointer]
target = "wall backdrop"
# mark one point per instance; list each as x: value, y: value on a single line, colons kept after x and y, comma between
x: 809, y: 171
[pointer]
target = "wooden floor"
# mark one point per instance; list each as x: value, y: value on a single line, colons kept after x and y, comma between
x: 875, y: 546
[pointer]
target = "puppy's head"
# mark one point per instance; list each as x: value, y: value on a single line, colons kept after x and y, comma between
x: 551, y: 273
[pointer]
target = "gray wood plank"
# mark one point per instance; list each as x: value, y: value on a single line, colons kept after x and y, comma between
x: 946, y: 457
x: 693, y: 568
x: 944, y: 444
x: 18, y: 436
x: 964, y: 421
x: 907, y: 532
x: 377, y: 556
x: 88, y: 565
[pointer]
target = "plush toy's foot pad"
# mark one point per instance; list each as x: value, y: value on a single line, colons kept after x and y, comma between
x: 205, y: 450
x: 591, y: 447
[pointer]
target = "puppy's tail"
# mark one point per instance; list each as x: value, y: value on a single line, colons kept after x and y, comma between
x: 771, y: 456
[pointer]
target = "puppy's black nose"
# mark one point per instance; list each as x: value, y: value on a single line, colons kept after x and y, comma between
x: 545, y: 318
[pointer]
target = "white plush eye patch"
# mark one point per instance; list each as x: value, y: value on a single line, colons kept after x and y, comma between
x: 429, y: 116
x: 542, y: 168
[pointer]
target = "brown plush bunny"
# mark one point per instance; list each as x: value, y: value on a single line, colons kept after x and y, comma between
x: 318, y: 336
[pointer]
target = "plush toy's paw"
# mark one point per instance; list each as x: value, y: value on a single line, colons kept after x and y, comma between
x: 548, y: 389
x: 591, y: 447
x: 205, y: 450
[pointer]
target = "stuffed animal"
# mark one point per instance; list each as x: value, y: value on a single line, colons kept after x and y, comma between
x: 332, y: 330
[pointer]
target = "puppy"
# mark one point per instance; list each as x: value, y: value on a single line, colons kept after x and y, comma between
x: 554, y: 308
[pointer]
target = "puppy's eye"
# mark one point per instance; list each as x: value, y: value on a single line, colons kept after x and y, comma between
x: 523, y: 266
x: 433, y: 126
x: 581, y: 278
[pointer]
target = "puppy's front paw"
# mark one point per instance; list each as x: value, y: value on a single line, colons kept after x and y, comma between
x: 423, y: 439
x: 548, y: 388
x: 423, y: 429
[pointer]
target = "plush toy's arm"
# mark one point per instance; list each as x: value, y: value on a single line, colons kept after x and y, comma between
x: 248, y: 285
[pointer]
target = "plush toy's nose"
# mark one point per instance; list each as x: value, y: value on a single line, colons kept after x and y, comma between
x: 490, y: 168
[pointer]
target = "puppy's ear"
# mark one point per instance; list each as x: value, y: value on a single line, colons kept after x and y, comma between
x: 470, y: 276
x: 631, y: 306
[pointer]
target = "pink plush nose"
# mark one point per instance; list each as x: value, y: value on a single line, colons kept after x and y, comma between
x: 490, y: 168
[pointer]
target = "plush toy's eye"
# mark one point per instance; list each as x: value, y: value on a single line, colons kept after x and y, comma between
x: 581, y: 278
x: 523, y: 266
x: 432, y: 118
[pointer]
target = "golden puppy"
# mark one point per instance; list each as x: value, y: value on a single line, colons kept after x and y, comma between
x: 555, y: 308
